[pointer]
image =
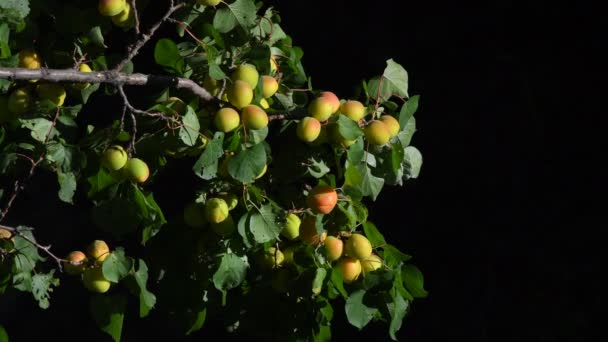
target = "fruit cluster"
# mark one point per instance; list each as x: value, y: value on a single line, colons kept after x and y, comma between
x: 89, y: 265
x: 121, y: 167
x: 120, y: 12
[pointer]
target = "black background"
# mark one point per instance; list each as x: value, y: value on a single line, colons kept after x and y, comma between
x: 505, y: 216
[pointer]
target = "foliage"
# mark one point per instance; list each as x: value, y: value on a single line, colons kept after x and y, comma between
x: 201, y: 268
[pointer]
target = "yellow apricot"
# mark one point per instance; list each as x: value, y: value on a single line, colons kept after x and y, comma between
x: 110, y: 8
x: 124, y: 19
x: 350, y: 268
x: 254, y: 117
x: 308, y: 232
x: 240, y: 94
x: 392, y: 124
x: 320, y: 108
x: 372, y: 263
x: 353, y: 109
x: 76, y: 262
x: 308, y: 129
x: 333, y: 100
x: 52, y: 92
x: 248, y: 73
x: 137, y: 170
x: 98, y: 250
x: 377, y: 133
x: 333, y: 248
x: 227, y: 119
x: 358, y: 246
x: 269, y: 86
x: 29, y: 59
x: 216, y: 210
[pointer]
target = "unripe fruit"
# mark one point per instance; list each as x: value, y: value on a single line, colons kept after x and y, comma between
x: 264, y: 104
x: 263, y: 172
x: 5, y: 234
x: 391, y: 123
x: 288, y: 255
x: 176, y: 104
x: 350, y: 269
x: 322, y: 199
x: 377, y: 133
x: 240, y: 94
x: 271, y: 258
x: 254, y: 117
x: 231, y: 199
x: 110, y: 8
x: 308, y: 232
x: 82, y: 68
x: 98, y: 250
x: 291, y: 230
x: 75, y: 257
x: 224, y: 228
x: 274, y: 66
x: 114, y: 158
x: 247, y: 73
x: 371, y: 264
x: 269, y: 86
x: 216, y: 210
x: 308, y: 129
x: 124, y: 19
x: 227, y: 119
x: 358, y: 246
x: 52, y: 92
x: 333, y: 100
x: 211, y: 85
x: 94, y: 280
x: 29, y: 59
x: 353, y: 109
x: 194, y: 215
x: 209, y: 2
x: 19, y: 101
x: 320, y: 109
x: 137, y: 170
x: 333, y: 248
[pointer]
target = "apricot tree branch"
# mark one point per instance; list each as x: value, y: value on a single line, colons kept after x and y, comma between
x: 109, y: 77
x: 134, y: 48
x: 135, y: 15
x: 45, y: 249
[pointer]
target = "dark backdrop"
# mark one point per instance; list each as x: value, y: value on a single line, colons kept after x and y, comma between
x: 502, y: 220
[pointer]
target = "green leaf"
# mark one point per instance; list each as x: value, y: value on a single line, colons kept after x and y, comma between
x: 28, y: 254
x: 370, y: 184
x: 264, y: 224
x: 3, y: 334
x: 189, y: 133
x: 414, y: 281
x: 336, y: 280
x: 397, y: 77
x: 379, y: 89
x: 242, y: 229
x: 147, y: 299
x: 356, y: 152
x: 99, y: 182
x: 317, y: 169
x: 408, y: 110
x: 393, y: 256
x: 407, y: 132
x: 358, y: 314
x: 206, y: 165
x: 40, y: 128
x: 398, y: 310
x: 230, y: 273
x: 373, y: 234
x: 96, y: 36
x: 67, y: 186
x: 240, y: 13
x: 256, y: 136
x: 412, y: 162
x: 317, y: 283
x: 201, y: 316
x: 167, y: 54
x: 247, y: 164
x: 108, y: 311
x: 117, y: 265
x: 42, y: 286
x: 348, y: 128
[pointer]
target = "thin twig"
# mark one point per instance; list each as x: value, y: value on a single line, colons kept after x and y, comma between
x: 45, y: 249
x: 135, y: 15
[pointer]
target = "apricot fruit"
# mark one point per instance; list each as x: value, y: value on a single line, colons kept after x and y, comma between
x: 110, y: 8
x: 372, y: 263
x: 76, y: 263
x: 212, y: 3
x: 333, y: 100
x: 254, y: 117
x: 211, y: 85
x: 5, y: 234
x: 263, y: 172
x: 274, y: 66
x: 98, y: 250
x: 269, y: 86
x: 227, y: 119
x: 377, y: 133
x: 291, y: 230
x: 271, y: 258
x: 239, y: 94
x: 308, y: 129
x: 114, y: 158
x: 320, y: 108
x: 353, y: 109
x: 124, y: 19
x: 232, y: 200
x: 358, y: 246
x: 94, y: 280
x: 137, y: 170
x: 392, y: 124
x: 216, y: 210
x: 350, y: 268
x: 52, y: 92
x: 333, y: 248
x: 248, y: 73
x: 264, y: 103
x: 322, y: 199
x: 19, y: 101
x: 29, y: 59
x: 82, y: 68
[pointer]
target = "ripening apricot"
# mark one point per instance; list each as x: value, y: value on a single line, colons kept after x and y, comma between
x: 333, y: 100
x: 176, y: 104
x: 98, y: 250
x: 320, y: 108
x: 212, y: 3
x: 358, y: 246
x: 110, y: 8
x: 333, y: 248
x: 248, y: 73
x: 82, y: 68
x: 29, y: 59
x: 52, y: 92
x: 322, y: 199
x: 377, y: 133
x: 114, y: 158
x: 391, y: 123
x: 353, y: 109
x: 371, y: 264
x: 264, y: 103
x: 224, y: 228
x: 124, y: 19
x: 271, y: 258
x: 308, y: 232
x: 94, y: 280
x: 137, y: 170
x: 76, y: 262
x: 269, y: 86
x: 216, y: 210
x: 19, y: 101
x: 308, y: 129
x: 194, y: 215
x: 5, y: 234
x: 254, y: 117
x: 350, y: 268
x: 291, y: 230
x: 227, y: 119
x: 211, y: 85
x: 240, y: 94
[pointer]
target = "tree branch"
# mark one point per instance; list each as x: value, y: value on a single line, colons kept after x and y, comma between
x: 45, y: 249
x: 110, y: 77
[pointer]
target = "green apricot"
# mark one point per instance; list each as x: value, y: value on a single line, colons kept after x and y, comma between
x: 114, y: 158
x: 137, y: 170
x: 271, y: 258
x: 248, y: 73
x: 19, y: 101
x: 291, y: 230
x: 358, y: 246
x: 52, y: 92
x: 216, y: 210
x: 110, y: 8
x: 94, y: 280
